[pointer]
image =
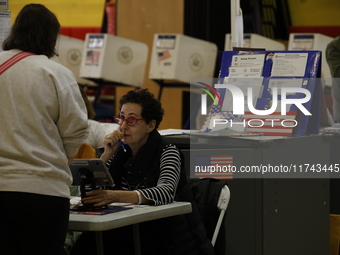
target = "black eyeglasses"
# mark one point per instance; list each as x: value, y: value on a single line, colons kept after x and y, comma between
x: 129, y: 121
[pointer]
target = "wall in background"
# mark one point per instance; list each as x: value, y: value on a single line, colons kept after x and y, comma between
x: 84, y: 13
x: 90, y: 12
x: 140, y: 20
x: 314, y: 12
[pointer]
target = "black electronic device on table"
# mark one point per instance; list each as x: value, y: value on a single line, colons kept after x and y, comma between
x: 89, y: 174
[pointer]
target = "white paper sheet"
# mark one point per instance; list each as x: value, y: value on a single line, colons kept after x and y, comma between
x: 289, y: 64
x: 5, y: 26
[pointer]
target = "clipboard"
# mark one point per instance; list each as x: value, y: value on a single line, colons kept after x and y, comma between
x: 92, y: 171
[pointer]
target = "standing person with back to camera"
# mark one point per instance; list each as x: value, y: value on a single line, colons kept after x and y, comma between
x: 44, y: 122
x: 147, y: 171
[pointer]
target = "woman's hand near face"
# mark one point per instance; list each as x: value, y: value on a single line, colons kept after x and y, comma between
x: 111, y: 144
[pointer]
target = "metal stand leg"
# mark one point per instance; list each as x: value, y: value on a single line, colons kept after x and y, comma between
x: 136, y: 239
x: 99, y: 241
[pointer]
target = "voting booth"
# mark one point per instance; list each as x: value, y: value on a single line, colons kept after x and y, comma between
x: 114, y: 59
x: 255, y: 41
x: 180, y: 58
x: 310, y: 41
x: 70, y: 52
x: 267, y: 92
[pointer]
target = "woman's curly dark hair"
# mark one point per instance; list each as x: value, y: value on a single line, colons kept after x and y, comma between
x: 151, y: 107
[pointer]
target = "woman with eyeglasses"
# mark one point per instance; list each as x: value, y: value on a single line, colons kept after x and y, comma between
x: 145, y: 171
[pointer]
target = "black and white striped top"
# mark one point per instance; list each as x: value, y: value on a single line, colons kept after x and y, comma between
x: 170, y: 167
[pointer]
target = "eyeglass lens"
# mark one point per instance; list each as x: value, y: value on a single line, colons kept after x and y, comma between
x: 129, y: 121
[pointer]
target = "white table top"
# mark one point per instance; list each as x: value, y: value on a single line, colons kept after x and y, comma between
x: 81, y: 222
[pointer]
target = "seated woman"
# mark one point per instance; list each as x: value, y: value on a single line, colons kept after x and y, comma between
x: 145, y: 171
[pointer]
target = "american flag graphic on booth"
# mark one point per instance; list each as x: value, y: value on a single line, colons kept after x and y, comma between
x: 163, y: 55
x: 214, y: 166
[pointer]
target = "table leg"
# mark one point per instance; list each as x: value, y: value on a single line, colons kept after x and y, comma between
x: 99, y: 241
x: 136, y: 239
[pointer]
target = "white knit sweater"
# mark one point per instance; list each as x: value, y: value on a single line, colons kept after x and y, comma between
x: 43, y: 121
